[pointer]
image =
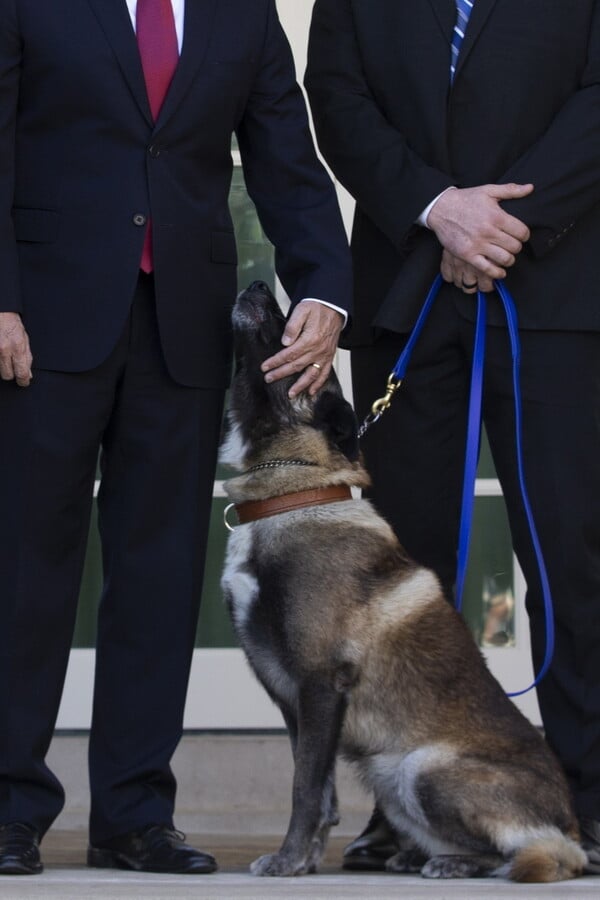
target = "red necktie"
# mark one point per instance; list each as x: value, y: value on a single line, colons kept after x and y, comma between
x: 159, y: 52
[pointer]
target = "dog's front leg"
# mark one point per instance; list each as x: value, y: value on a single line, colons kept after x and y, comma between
x: 329, y: 817
x: 329, y: 804
x: 320, y: 715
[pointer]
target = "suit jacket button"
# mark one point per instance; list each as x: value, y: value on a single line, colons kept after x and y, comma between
x: 154, y: 150
x: 140, y: 219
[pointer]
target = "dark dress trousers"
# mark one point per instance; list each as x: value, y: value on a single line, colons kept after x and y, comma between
x: 524, y: 107
x: 134, y: 364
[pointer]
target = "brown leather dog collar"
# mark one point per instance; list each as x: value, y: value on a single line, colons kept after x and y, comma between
x: 252, y: 510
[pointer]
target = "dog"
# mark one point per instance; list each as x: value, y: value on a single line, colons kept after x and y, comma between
x: 361, y: 652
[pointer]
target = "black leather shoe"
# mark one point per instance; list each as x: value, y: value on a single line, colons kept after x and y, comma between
x: 373, y: 847
x: 19, y: 850
x: 157, y: 848
x: 590, y: 841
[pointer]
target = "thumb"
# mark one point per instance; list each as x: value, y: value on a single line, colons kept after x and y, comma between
x: 294, y: 325
x: 510, y: 191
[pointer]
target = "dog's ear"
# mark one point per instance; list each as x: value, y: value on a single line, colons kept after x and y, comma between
x: 335, y: 416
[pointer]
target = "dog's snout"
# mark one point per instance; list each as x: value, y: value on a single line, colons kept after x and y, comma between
x: 256, y: 311
x: 258, y: 286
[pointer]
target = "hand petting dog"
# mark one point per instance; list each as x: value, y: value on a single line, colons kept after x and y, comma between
x: 310, y: 340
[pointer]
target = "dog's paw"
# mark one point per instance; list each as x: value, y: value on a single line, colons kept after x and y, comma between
x: 277, y: 865
x: 405, y: 861
x: 451, y: 867
x: 317, y: 849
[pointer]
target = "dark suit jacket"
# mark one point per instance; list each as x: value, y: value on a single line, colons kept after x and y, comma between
x: 82, y: 166
x: 524, y: 107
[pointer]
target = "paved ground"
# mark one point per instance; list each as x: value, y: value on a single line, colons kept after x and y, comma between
x: 67, y: 878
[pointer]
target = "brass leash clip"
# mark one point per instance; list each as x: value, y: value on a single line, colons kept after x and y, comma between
x: 384, y: 402
x: 380, y: 405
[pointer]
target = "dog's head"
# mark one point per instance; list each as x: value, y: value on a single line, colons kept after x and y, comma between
x: 258, y: 412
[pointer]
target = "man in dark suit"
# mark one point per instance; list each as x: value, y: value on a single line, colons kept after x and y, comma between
x: 468, y: 131
x: 118, y: 273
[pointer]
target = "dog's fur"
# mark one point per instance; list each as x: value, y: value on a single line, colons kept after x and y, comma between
x: 356, y: 644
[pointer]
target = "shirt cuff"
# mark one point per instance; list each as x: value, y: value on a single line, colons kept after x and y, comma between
x: 342, y: 312
x: 422, y: 220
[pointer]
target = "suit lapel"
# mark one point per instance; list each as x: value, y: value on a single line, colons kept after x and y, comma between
x: 445, y: 13
x: 197, y: 29
x: 114, y: 20
x: 478, y: 18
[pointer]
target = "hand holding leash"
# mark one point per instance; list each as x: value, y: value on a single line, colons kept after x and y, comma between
x: 456, y: 271
x: 471, y: 225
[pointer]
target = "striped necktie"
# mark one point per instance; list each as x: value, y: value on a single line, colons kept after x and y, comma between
x: 463, y: 11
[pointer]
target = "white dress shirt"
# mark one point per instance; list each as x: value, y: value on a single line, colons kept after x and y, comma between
x: 178, y: 10
x: 178, y: 14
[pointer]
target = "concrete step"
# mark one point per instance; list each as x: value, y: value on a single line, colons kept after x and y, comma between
x: 67, y: 878
x: 228, y: 783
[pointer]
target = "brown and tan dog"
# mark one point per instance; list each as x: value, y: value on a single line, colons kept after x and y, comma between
x: 356, y: 644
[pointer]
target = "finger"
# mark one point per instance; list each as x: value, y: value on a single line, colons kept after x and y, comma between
x: 446, y: 271
x: 492, y: 246
x: 512, y: 244
x: 304, y: 347
x: 321, y: 378
x: 462, y: 272
x: 468, y: 277
x: 291, y: 340
x: 312, y: 379
x: 457, y: 272
x: 22, y: 371
x: 486, y: 285
x: 295, y: 324
x: 283, y: 359
x: 6, y: 368
x: 287, y: 368
x: 505, y: 230
x: 510, y: 191
x: 302, y: 353
x: 486, y: 267
x: 478, y: 282
x: 512, y: 230
x: 498, y: 255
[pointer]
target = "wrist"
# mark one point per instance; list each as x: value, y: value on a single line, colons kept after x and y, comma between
x: 439, y: 211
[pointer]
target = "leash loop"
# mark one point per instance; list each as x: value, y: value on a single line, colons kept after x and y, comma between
x: 474, y: 441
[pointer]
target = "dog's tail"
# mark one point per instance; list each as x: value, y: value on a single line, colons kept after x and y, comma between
x: 552, y: 857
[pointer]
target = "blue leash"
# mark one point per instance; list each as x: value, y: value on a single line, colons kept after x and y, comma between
x: 473, y: 443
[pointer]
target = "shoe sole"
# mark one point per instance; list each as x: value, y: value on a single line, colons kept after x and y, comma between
x: 19, y: 869
x: 98, y: 858
x: 364, y: 864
